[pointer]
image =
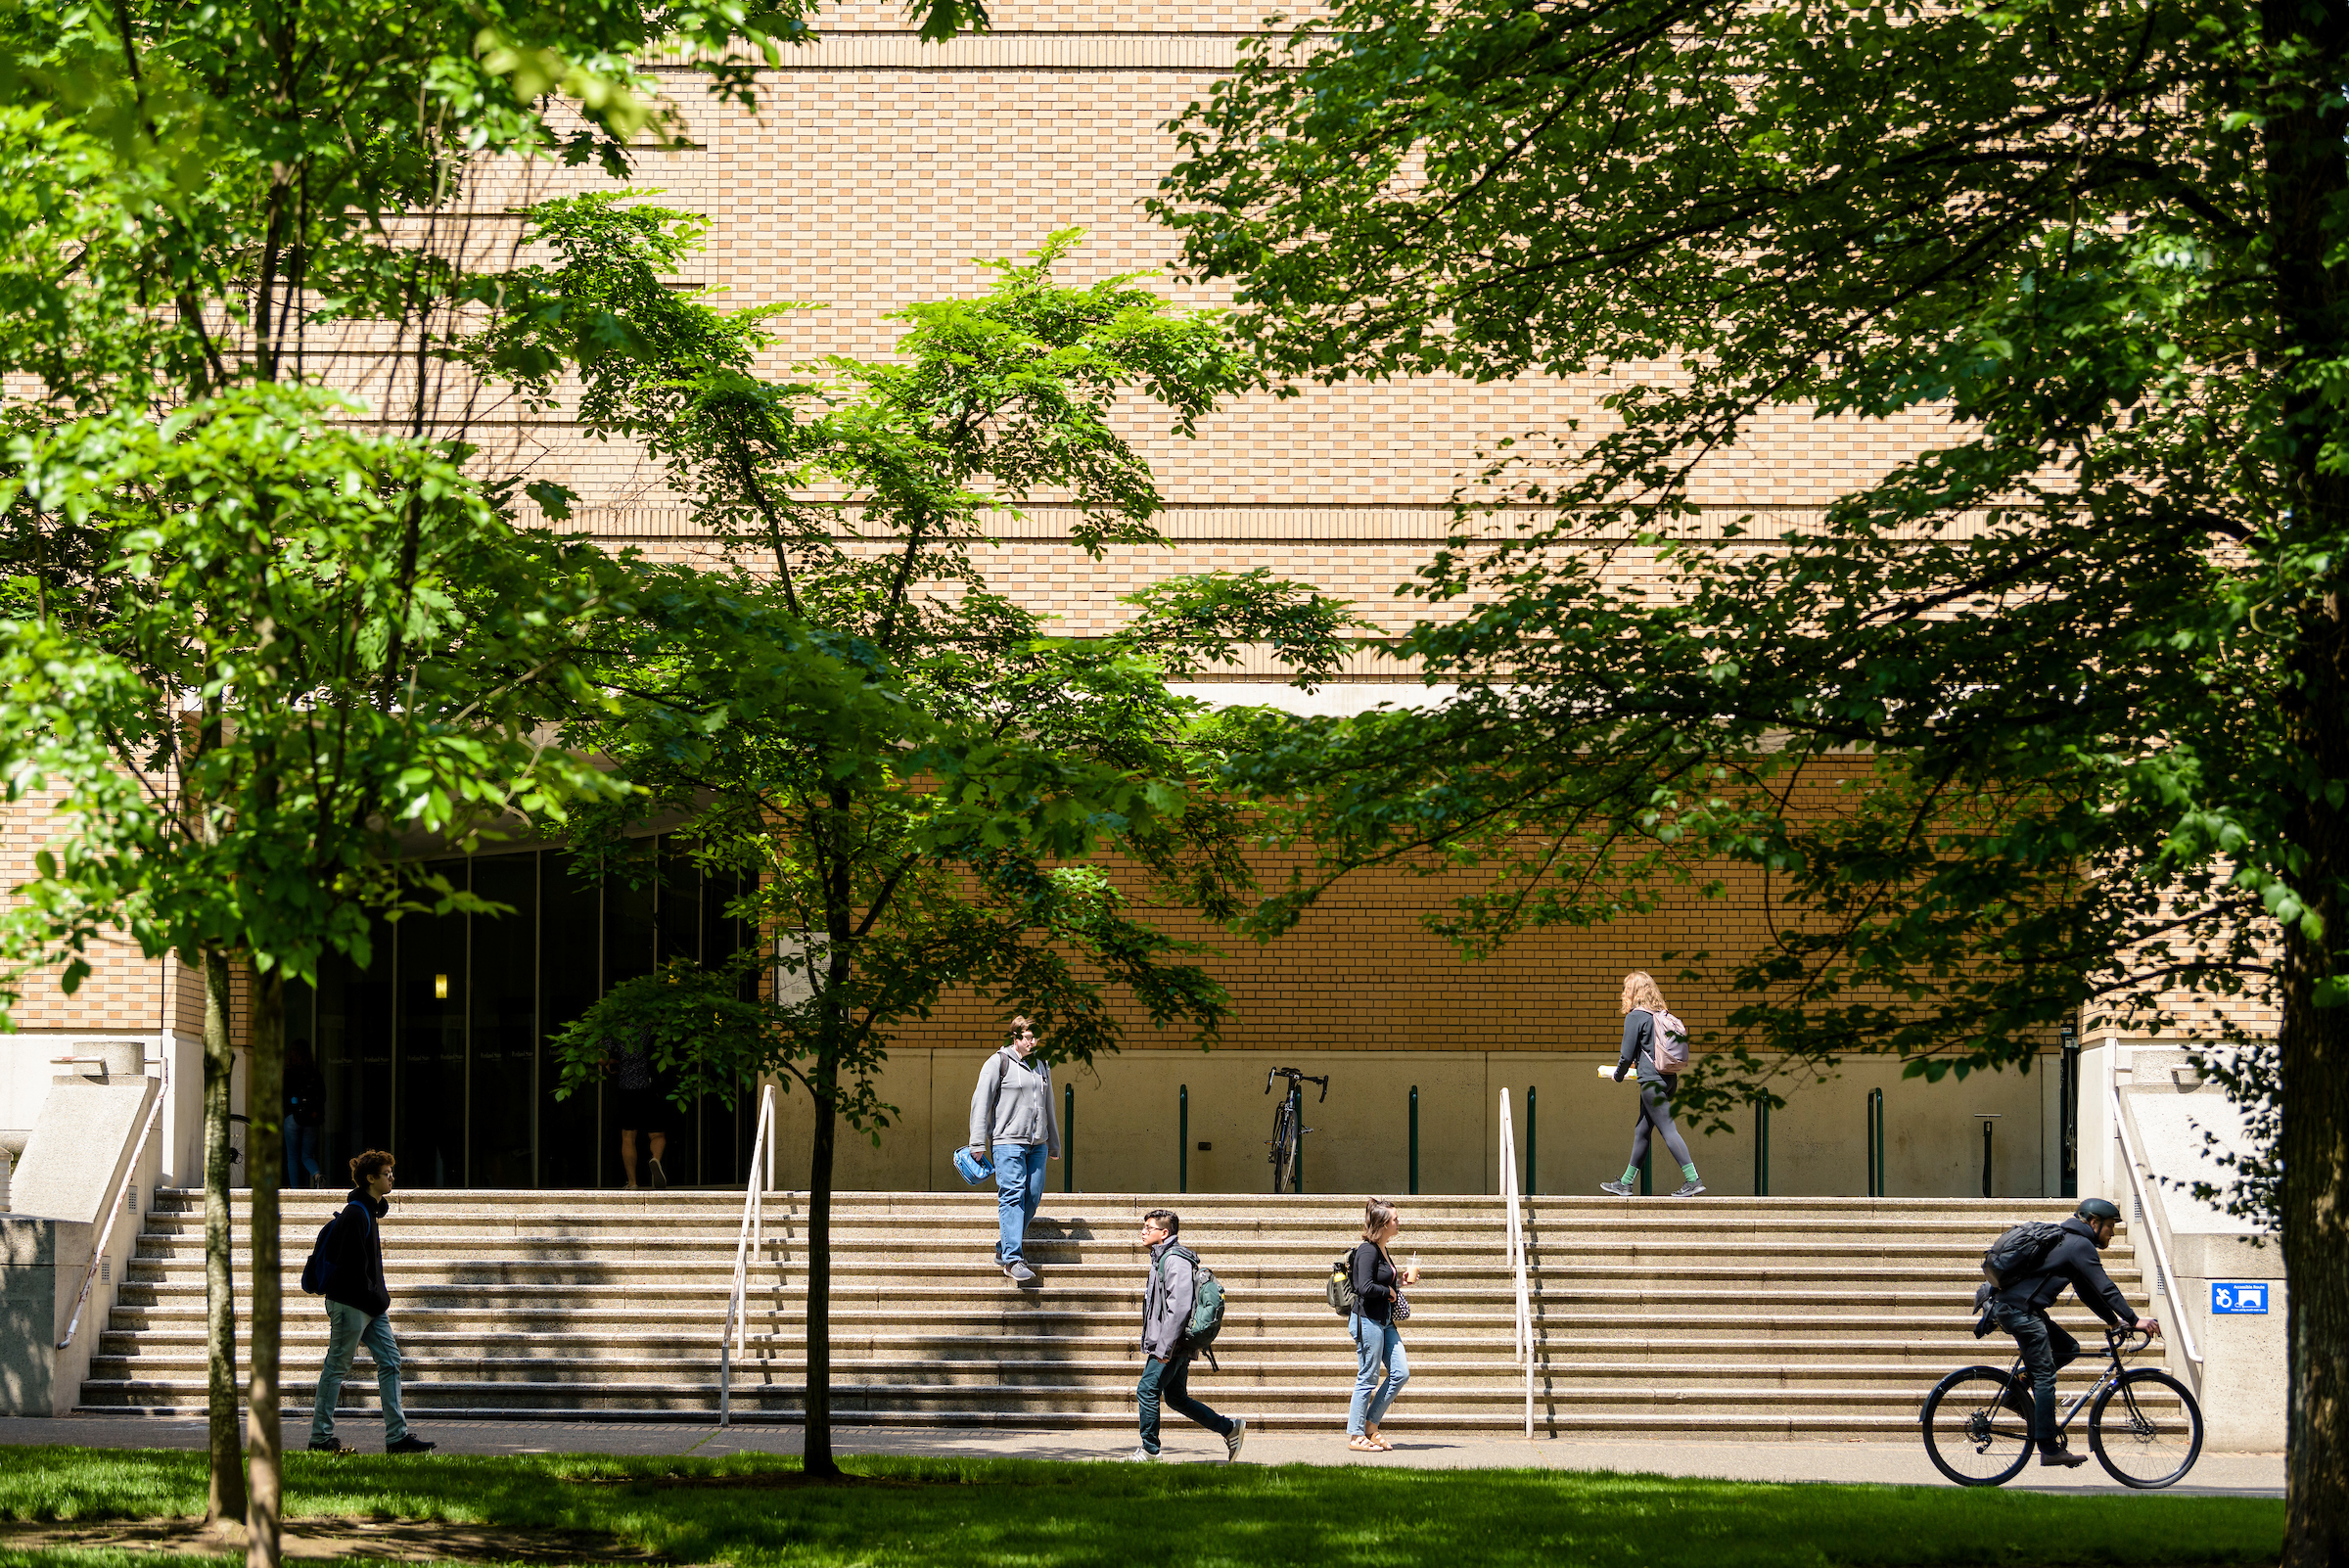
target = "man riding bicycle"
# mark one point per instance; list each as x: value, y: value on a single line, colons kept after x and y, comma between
x: 2020, y: 1306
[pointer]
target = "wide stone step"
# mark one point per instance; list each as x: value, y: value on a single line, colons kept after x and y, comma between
x: 1106, y: 1374
x: 1729, y: 1318
x: 1774, y: 1313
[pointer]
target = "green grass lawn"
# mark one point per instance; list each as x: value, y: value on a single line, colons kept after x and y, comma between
x: 1008, y: 1513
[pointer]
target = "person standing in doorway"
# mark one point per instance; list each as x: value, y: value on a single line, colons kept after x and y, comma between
x: 1642, y: 1008
x: 1013, y: 1122
x: 639, y: 1106
x: 358, y: 1310
x: 1167, y: 1351
x: 1377, y: 1327
x: 306, y: 1117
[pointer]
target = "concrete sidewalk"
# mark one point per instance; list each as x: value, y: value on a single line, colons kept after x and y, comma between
x: 2242, y: 1475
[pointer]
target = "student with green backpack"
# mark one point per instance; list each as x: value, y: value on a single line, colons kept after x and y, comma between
x: 1181, y: 1313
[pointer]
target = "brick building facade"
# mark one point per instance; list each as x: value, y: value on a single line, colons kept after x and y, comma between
x: 876, y: 170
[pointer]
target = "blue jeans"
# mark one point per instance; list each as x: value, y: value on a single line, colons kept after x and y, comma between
x: 301, y: 1154
x: 1170, y: 1379
x: 1373, y: 1343
x: 346, y: 1329
x: 1019, y: 1189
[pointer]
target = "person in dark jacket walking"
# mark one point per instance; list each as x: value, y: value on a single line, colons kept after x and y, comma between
x: 1376, y: 1327
x: 306, y: 1117
x: 1642, y: 1004
x: 359, y: 1308
x: 1166, y: 1301
x: 2021, y: 1305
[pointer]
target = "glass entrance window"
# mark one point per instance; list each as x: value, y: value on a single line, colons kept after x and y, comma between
x: 439, y: 1048
x: 502, y: 1024
x: 428, y: 996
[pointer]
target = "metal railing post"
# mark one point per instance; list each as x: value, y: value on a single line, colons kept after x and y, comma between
x: 1761, y: 1146
x: 2180, y: 1313
x: 747, y: 1245
x: 1068, y: 1137
x: 1513, y: 1212
x: 1414, y: 1141
x: 1183, y: 1138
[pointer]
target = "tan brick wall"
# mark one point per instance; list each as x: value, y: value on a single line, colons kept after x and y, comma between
x: 875, y: 171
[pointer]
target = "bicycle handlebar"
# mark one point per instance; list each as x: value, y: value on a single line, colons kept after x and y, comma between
x: 1295, y: 1077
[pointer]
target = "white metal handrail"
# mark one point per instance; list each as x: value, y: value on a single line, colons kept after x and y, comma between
x: 747, y: 1247
x: 2161, y: 1254
x: 1512, y: 1209
x: 130, y: 1173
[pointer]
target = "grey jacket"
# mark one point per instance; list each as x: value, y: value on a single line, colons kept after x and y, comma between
x: 1013, y: 1103
x: 1639, y: 1049
x: 1167, y: 1298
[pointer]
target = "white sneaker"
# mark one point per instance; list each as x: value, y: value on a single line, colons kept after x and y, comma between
x: 1233, y: 1439
x: 1139, y: 1455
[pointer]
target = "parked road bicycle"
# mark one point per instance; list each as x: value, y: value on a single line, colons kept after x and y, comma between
x: 1289, y: 1129
x: 2142, y: 1425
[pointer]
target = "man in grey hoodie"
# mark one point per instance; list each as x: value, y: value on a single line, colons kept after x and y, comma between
x: 1166, y: 1354
x: 1012, y: 1121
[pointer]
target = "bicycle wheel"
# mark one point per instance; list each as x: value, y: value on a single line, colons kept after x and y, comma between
x: 2147, y: 1429
x: 1978, y: 1428
x: 1284, y: 1145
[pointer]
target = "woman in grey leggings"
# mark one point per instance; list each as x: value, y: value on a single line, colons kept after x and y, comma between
x: 1642, y: 1004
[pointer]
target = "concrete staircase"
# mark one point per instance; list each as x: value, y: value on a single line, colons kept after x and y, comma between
x: 1756, y: 1318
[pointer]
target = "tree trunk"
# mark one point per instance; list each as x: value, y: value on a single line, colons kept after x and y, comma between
x: 818, y: 1461
x: 2314, y: 1205
x: 225, y: 1499
x: 265, y: 1159
x: 2303, y: 124
x: 2313, y: 1048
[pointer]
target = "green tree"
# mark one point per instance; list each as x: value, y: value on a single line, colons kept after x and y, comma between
x: 275, y: 695
x: 945, y: 825
x: 197, y: 195
x: 2048, y: 717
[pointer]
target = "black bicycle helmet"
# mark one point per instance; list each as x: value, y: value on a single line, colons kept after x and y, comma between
x: 2098, y: 1209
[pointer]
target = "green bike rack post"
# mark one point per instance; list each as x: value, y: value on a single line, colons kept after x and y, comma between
x: 1874, y: 1138
x: 1647, y: 1182
x: 1414, y: 1141
x: 1068, y: 1137
x: 1762, y: 1146
x: 1183, y: 1138
x: 1297, y: 1103
x: 1532, y: 1185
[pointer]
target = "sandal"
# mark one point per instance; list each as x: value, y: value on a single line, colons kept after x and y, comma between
x: 1361, y: 1445
x: 1380, y: 1443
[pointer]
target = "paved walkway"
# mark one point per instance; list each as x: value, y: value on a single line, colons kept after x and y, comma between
x: 2248, y: 1475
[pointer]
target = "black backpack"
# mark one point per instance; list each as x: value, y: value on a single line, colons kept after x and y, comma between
x: 2019, y: 1254
x: 318, y: 1272
x: 1343, y: 1299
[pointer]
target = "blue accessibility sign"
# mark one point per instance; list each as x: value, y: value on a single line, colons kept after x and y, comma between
x: 2240, y: 1297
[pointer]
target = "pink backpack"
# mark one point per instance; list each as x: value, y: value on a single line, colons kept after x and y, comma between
x: 1669, y: 1044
